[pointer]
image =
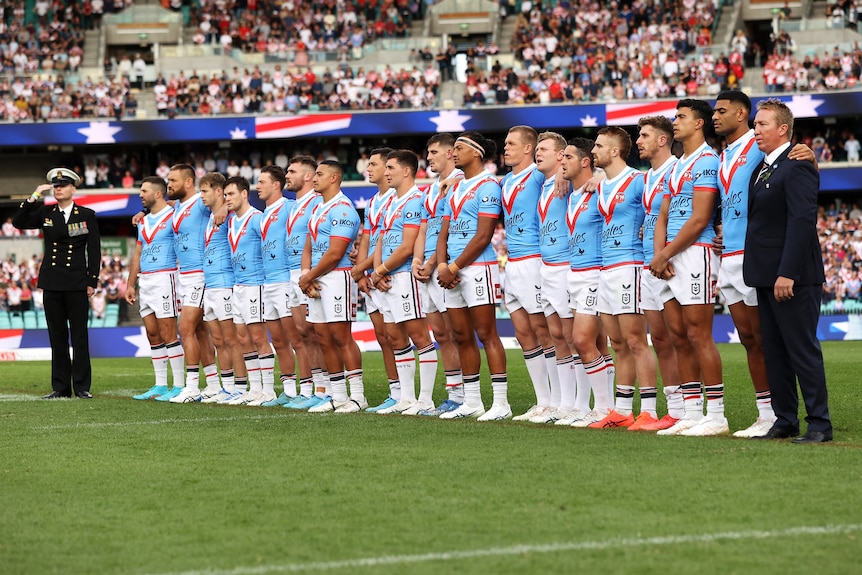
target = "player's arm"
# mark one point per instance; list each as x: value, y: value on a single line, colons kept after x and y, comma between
x: 484, y: 232
x: 420, y: 268
x: 658, y: 266
x: 363, y: 261
x: 134, y: 270
x: 803, y: 153
x: 338, y: 246
x: 702, y: 208
x: 443, y: 255
x: 305, y: 261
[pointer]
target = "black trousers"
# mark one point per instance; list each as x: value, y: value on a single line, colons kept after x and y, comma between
x: 791, y: 350
x: 65, y: 312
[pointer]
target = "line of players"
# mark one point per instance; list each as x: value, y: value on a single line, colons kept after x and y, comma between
x: 578, y: 249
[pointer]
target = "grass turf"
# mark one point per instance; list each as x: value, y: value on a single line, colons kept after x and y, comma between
x: 118, y: 486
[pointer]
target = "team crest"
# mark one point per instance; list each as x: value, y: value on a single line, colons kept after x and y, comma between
x: 480, y: 291
x: 338, y: 307
x: 252, y: 310
x: 406, y: 307
x: 626, y: 299
x: 695, y: 289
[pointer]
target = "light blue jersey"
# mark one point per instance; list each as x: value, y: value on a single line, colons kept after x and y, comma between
x: 469, y: 200
x: 218, y: 271
x: 553, y: 234
x: 189, y: 222
x: 521, y: 193
x: 244, y: 236
x: 621, y: 206
x: 156, y: 238
x: 297, y: 228
x: 335, y: 219
x: 655, y: 187
x: 273, y: 235
x: 402, y: 213
x: 695, y: 173
x: 738, y: 163
x: 374, y: 212
x: 584, y: 224
x: 432, y: 214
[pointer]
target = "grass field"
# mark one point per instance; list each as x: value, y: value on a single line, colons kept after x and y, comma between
x: 118, y: 486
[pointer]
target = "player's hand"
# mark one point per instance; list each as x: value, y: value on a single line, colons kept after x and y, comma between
x: 384, y: 284
x: 445, y: 277
x: 421, y: 272
x: 363, y: 284
x: 659, y: 266
x: 718, y: 244
x: 802, y: 153
x: 353, y: 255
x: 136, y: 219
x: 130, y: 295
x: 220, y: 216
x: 356, y: 273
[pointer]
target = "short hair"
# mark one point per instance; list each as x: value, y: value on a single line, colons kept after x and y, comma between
x: 559, y: 140
x: 623, y: 140
x: 189, y: 171
x: 336, y: 166
x: 488, y: 146
x: 444, y: 139
x: 406, y: 158
x: 305, y: 161
x: 382, y: 152
x: 660, y: 123
x: 212, y: 179
x: 737, y: 96
x: 240, y: 183
x: 158, y: 183
x: 700, y: 107
x: 276, y: 173
x: 783, y: 115
x: 584, y: 148
x: 528, y: 134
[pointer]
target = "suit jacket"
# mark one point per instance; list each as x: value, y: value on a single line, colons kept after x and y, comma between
x: 781, y: 239
x: 72, y: 251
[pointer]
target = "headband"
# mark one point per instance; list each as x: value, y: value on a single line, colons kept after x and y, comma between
x: 472, y: 144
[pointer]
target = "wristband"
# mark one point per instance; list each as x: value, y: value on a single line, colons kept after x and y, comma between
x: 417, y: 262
x: 453, y: 267
x: 36, y: 196
x: 381, y: 270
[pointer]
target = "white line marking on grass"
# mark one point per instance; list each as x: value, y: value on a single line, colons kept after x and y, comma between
x: 522, y: 549
x: 17, y: 397
x: 101, y: 424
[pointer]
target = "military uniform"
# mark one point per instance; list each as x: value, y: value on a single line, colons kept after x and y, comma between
x: 70, y: 265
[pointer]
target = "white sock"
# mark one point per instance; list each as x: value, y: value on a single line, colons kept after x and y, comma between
x: 715, y: 399
x: 427, y: 372
x: 288, y: 384
x: 625, y: 399
x: 763, y: 400
x: 267, y: 373
x: 567, y: 382
x: 455, y: 385
x: 596, y: 372
x: 357, y: 386
x: 538, y: 370
x: 553, y: 376
x: 500, y: 388
x: 582, y: 386
x: 211, y: 376
x: 675, y: 404
x: 306, y: 387
x: 648, y: 402
x: 252, y: 368
x: 227, y: 380
x: 339, y: 387
x: 405, y: 365
x: 193, y: 378
x: 177, y: 359
x: 472, y: 391
x: 160, y: 363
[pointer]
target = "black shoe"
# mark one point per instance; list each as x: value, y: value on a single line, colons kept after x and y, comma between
x: 779, y: 432
x: 83, y: 395
x: 813, y: 437
x: 55, y: 395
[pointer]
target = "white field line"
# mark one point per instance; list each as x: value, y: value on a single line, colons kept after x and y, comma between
x: 103, y: 424
x: 17, y: 397
x: 351, y: 564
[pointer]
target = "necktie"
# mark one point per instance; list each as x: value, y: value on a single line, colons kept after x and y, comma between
x: 763, y: 169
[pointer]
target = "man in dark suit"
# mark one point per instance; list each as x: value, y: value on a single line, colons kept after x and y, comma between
x: 68, y: 277
x: 783, y: 262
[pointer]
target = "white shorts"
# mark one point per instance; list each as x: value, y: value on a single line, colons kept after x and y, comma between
x: 432, y: 296
x: 555, y: 290
x: 695, y: 276
x: 157, y: 294
x: 218, y: 304
x: 375, y: 302
x: 297, y: 298
x: 479, y: 285
x: 732, y: 285
x: 523, y: 288
x: 247, y: 304
x: 403, y: 300
x: 276, y: 301
x: 191, y: 289
x: 654, y: 292
x: 619, y: 290
x: 337, y: 301
x: 583, y: 291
